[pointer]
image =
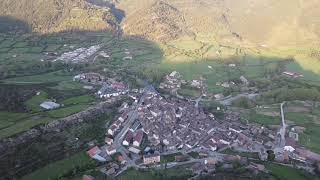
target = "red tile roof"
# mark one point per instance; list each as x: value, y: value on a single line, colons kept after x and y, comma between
x: 118, y: 85
x: 93, y: 151
x: 87, y: 177
x: 138, y: 137
x: 129, y: 136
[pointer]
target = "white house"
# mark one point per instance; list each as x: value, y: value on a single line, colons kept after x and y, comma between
x: 49, y: 105
x: 112, y: 130
x: 128, y: 138
x: 108, y: 140
x: 111, y: 150
x: 134, y: 150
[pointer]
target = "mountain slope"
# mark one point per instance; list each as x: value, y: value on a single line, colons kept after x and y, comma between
x: 259, y: 22
x: 157, y: 21
x: 48, y: 16
x: 270, y: 22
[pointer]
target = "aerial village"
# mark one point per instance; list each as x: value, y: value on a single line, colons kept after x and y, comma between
x: 154, y: 127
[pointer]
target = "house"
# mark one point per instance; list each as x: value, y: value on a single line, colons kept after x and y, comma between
x: 218, y: 96
x: 231, y: 158
x: 294, y: 135
x: 121, y: 160
x: 111, y: 150
x: 112, y: 129
x: 87, y: 177
x: 88, y: 87
x: 244, y: 80
x: 93, y: 151
x: 211, y: 161
x: 127, y: 140
x: 94, y: 154
x: 151, y: 158
x: 134, y: 150
x: 288, y: 148
x: 180, y: 158
x: 196, y: 83
x: 174, y: 74
x: 89, y: 77
x: 108, y: 140
x: 138, y: 138
x: 224, y: 142
x: 127, y: 58
x: 104, y: 54
x: 49, y: 105
x: 225, y: 85
x: 292, y: 74
x: 112, y: 90
x: 110, y: 171
x: 124, y: 116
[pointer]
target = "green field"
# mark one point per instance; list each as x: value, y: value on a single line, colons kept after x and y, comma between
x: 310, y: 137
x: 13, y: 123
x: 262, y: 119
x: 8, y: 118
x: 66, y: 111
x: 79, y: 161
x: 189, y: 92
x: 242, y: 154
x: 85, y: 99
x: 169, y: 158
x: 174, y: 173
x: 283, y: 172
x: 307, y: 71
x: 42, y: 78
x: 33, y: 104
x: 23, y: 125
x: 68, y: 85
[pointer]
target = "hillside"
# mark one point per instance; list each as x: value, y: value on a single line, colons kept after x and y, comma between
x: 47, y: 16
x: 158, y: 21
x: 260, y: 22
x: 270, y: 22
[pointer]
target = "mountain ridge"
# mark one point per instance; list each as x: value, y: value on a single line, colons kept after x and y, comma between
x: 260, y: 22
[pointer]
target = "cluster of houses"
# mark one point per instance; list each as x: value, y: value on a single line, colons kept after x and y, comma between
x: 113, y: 89
x: 79, y: 55
x: 128, y: 55
x: 171, y: 125
x: 292, y: 74
x: 227, y: 84
x: 172, y: 81
x: 91, y: 77
x: 104, y: 152
x: 179, y: 125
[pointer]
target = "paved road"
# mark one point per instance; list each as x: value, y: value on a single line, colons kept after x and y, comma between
x: 282, y: 130
x: 133, y: 115
x: 228, y: 101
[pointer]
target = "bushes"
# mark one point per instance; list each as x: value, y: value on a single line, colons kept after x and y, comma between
x: 286, y: 94
x: 243, y: 102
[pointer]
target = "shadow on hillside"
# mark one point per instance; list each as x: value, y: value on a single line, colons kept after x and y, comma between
x: 10, y: 25
x: 40, y: 44
x: 119, y: 14
x: 26, y: 65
